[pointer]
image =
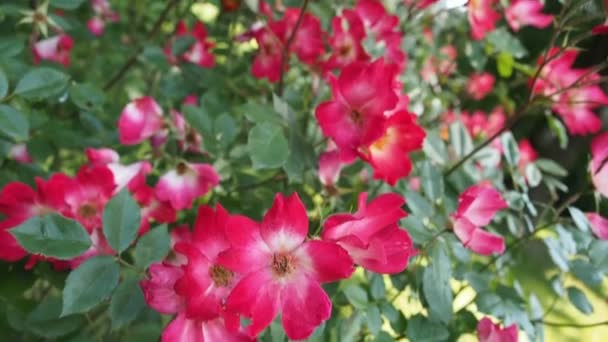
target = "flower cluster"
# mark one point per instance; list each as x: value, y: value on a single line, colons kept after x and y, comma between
x: 199, y: 52
x: 231, y: 266
x: 574, y: 92
x: 363, y: 121
x: 103, y: 14
x: 483, y: 16
x: 368, y: 20
x: 81, y: 198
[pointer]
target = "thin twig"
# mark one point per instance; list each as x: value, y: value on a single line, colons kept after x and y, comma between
x: 133, y: 59
x: 488, y: 141
x: 520, y: 112
x: 574, y: 325
x: 285, y: 53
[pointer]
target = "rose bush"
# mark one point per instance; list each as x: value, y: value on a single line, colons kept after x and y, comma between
x: 362, y: 170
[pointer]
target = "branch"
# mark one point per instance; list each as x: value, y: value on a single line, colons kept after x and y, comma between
x: 477, y: 148
x: 133, y: 59
x: 285, y: 53
x: 546, y: 59
x: 573, y: 325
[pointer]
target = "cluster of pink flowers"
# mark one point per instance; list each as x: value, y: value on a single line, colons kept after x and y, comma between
x: 200, y: 51
x: 231, y: 266
x: 364, y: 119
x: 483, y: 16
x: 480, y: 85
x: 479, y: 124
x: 367, y: 19
x: 141, y: 120
x: 81, y: 198
x: 84, y: 196
x: 575, y: 93
x: 103, y: 14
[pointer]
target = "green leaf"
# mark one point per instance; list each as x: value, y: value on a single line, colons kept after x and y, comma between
x: 86, y: 96
x: 432, y: 182
x: 377, y: 287
x: 301, y: 157
x: 40, y: 83
x: 504, y: 64
x: 126, y: 303
x: 259, y: 113
x: 504, y: 41
x: 45, y: 320
x: 533, y: 175
x: 460, y: 139
x: 435, y: 148
x: 436, y: 284
x: 67, y: 4
x: 373, y: 320
x: 598, y: 253
x: 586, y: 272
x: 418, y: 205
x: 225, y: 129
x: 556, y: 253
x: 579, y: 218
x: 88, y: 285
x: 357, y: 296
x: 558, y: 128
x: 476, y: 55
x: 253, y: 5
x: 121, y: 220
x: 511, y: 149
x: 52, y: 235
x: 152, y: 247
x: 420, y: 329
x: 13, y: 124
x: 267, y: 146
x: 551, y: 167
x: 198, y: 118
x: 579, y: 300
x: 181, y: 44
x: 3, y: 84
x: 10, y: 46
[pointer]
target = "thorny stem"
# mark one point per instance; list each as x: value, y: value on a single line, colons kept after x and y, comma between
x: 133, y: 59
x: 285, y: 53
